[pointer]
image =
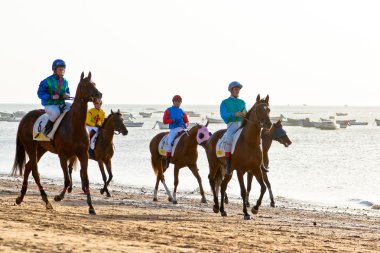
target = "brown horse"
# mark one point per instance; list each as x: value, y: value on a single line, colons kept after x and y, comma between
x: 71, y: 139
x: 104, y: 148
x: 186, y: 154
x: 247, y: 156
x: 278, y: 134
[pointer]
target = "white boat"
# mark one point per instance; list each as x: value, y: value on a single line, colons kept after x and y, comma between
x: 130, y: 123
x: 277, y: 118
x: 344, y: 124
x: 307, y: 123
x: 328, y: 125
x: 145, y: 114
x: 214, y: 120
x: 192, y: 114
x: 293, y: 122
x: 19, y: 114
x: 357, y: 123
x: 377, y: 122
x: 341, y: 114
x: 161, y: 125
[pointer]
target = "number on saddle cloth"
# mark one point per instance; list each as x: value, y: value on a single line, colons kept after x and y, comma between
x: 221, y: 144
x: 164, y: 140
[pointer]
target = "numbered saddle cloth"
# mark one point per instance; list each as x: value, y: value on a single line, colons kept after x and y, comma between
x: 221, y: 144
x: 39, y: 126
x: 164, y: 140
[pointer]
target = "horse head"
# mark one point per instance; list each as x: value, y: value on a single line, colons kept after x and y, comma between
x: 279, y: 134
x: 259, y: 113
x: 117, y: 121
x: 87, y: 90
x: 203, y: 134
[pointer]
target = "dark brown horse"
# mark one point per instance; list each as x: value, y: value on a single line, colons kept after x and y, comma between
x: 247, y: 156
x: 186, y: 154
x: 71, y: 139
x: 104, y: 148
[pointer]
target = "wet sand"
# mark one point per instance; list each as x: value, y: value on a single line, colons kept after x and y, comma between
x: 130, y: 221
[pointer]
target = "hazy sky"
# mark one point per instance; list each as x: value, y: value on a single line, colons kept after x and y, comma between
x: 298, y: 52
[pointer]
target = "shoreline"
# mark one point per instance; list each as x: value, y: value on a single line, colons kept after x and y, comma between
x: 130, y: 221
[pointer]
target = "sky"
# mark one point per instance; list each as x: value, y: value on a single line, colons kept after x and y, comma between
x: 146, y: 51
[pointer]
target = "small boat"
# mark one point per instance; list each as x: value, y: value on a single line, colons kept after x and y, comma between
x: 377, y: 122
x: 357, y: 123
x: 349, y: 121
x: 145, y: 114
x: 328, y: 125
x: 307, y: 123
x: 14, y: 119
x: 161, y: 125
x: 19, y: 114
x: 6, y: 118
x: 130, y: 123
x: 341, y: 114
x: 293, y: 122
x: 192, y: 114
x: 277, y: 118
x: 344, y: 124
x: 214, y: 120
x: 5, y: 114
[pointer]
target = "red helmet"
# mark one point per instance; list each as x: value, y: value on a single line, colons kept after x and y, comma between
x: 177, y: 98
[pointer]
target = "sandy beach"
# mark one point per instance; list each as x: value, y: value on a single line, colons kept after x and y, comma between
x: 130, y: 221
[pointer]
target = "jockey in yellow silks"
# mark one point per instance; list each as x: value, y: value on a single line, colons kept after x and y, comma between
x: 95, y: 118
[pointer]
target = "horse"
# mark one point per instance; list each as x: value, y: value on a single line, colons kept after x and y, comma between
x: 247, y: 156
x: 186, y: 155
x: 71, y: 139
x: 104, y: 148
x: 276, y: 133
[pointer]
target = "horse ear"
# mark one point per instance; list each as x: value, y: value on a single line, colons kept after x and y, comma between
x: 278, y: 123
x: 89, y: 75
x: 111, y: 111
x: 207, y: 123
x: 82, y: 76
x: 258, y: 98
x: 118, y: 111
x: 267, y: 99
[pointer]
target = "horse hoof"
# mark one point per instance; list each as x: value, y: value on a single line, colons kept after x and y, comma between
x: 203, y: 200
x: 247, y: 217
x: 49, y: 206
x: 254, y: 210
x: 155, y: 199
x: 215, y: 209
x: 170, y: 199
x: 70, y: 189
x: 108, y: 195
x: 224, y: 213
x: 57, y: 198
x: 91, y: 211
x: 248, y: 205
x: 18, y: 201
x: 101, y: 191
x: 175, y: 202
x: 272, y: 204
x: 226, y: 201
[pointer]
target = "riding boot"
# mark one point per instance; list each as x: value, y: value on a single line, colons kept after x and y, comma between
x: 92, y: 133
x: 48, y: 127
x: 228, y: 166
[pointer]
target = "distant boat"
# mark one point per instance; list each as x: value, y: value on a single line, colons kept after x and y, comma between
x: 161, y: 125
x: 328, y: 125
x: 357, y: 123
x: 145, y: 114
x: 377, y: 122
x: 150, y: 109
x: 349, y: 121
x: 130, y: 123
x: 344, y: 124
x: 277, y: 118
x: 192, y: 114
x: 341, y: 114
x: 214, y: 120
x: 307, y: 123
x: 14, y: 119
x: 293, y: 122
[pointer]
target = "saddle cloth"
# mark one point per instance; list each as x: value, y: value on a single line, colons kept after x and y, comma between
x: 39, y: 126
x: 164, y: 140
x: 221, y: 144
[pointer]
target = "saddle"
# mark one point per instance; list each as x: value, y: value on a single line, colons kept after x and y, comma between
x: 164, y: 140
x: 221, y: 144
x: 39, y: 126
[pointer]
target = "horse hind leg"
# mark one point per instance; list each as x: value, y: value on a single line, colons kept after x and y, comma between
x: 249, y: 187
x: 194, y: 170
x: 260, y: 180
x: 243, y: 193
x: 63, y: 160
x: 101, y: 167
x: 71, y: 167
x: 83, y: 159
x: 36, y: 176
x: 266, y: 180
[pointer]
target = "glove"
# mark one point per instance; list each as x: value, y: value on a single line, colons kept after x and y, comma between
x: 55, y: 97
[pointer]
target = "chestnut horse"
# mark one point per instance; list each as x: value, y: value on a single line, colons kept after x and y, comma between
x: 247, y: 156
x: 71, y: 139
x: 104, y: 148
x: 186, y: 154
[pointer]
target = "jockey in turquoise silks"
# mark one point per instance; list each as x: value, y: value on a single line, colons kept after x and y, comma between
x: 232, y: 111
x: 178, y: 121
x: 53, y: 91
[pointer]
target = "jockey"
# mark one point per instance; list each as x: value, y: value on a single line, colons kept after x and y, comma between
x: 177, y: 120
x: 53, y: 91
x: 232, y: 111
x: 95, y: 118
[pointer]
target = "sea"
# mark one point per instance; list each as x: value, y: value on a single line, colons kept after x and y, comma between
x: 333, y: 168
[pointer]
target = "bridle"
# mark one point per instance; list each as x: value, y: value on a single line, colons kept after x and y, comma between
x: 257, y: 121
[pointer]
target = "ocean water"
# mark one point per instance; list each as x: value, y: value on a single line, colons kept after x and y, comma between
x: 331, y: 168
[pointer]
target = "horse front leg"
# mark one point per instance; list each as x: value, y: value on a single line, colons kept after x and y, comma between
x: 176, y: 181
x: 266, y: 180
x: 259, y: 178
x: 110, y: 176
x: 71, y: 167
x: 101, y: 167
x: 243, y: 193
x: 83, y: 159
x: 249, y: 187
x: 63, y: 160
x: 194, y: 170
x: 223, y: 188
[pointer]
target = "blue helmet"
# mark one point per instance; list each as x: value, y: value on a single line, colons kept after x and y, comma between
x: 233, y: 85
x: 58, y: 63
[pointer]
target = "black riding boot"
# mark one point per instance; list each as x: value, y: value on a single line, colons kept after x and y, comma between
x: 48, y: 127
x: 228, y: 166
x: 167, y: 162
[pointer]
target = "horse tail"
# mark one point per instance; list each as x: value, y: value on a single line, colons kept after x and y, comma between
x: 20, y: 158
x: 157, y: 167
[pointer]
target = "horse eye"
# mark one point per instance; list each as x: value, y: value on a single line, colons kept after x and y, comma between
x: 209, y: 133
x: 201, y: 135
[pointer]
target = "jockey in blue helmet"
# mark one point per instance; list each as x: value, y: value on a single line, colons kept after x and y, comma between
x: 232, y: 111
x: 53, y: 91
